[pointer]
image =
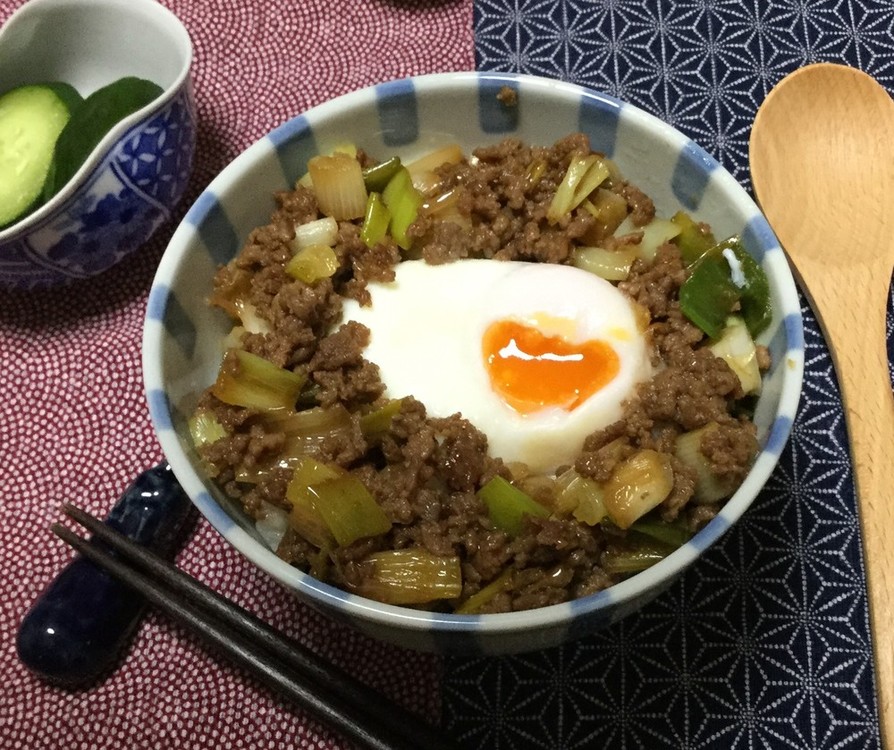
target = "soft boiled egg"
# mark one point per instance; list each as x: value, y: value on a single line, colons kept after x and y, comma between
x: 536, y: 356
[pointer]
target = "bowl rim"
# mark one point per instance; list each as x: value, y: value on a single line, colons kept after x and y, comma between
x: 134, y: 7
x: 557, y: 615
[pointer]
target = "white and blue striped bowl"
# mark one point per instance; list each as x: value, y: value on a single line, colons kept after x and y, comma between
x: 182, y: 340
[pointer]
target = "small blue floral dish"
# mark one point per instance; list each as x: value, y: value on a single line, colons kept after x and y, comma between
x: 134, y: 178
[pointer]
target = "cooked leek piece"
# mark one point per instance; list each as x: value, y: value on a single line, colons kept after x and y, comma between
x: 582, y: 497
x: 423, y: 170
x: 248, y: 315
x: 507, y: 505
x: 304, y: 433
x: 377, y: 177
x: 446, y: 208
x: 376, y: 220
x: 309, y: 471
x: 410, y: 576
x: 204, y: 428
x: 653, y: 235
x: 534, y: 173
x: 442, y: 204
x: 637, y: 485
x: 271, y: 524
x: 234, y: 299
x: 304, y: 516
x: 403, y: 201
x: 585, y: 173
x: 321, y: 562
x: 245, y: 379
x: 626, y: 558
x: 611, y: 265
x: 672, y: 534
x: 479, y: 599
x: 313, y: 263
x: 349, y: 510
x: 608, y: 208
x: 539, y: 487
x: 307, y: 520
x: 614, y: 172
x: 736, y: 347
x: 709, y: 488
x: 233, y: 340
x: 317, y: 232
x: 656, y: 233
x: 307, y: 428
x: 694, y: 239
x: 346, y: 149
x: 338, y: 184
x: 378, y: 421
x: 565, y: 504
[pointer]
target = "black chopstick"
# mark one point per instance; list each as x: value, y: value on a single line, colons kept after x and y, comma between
x: 358, y: 712
x: 322, y: 674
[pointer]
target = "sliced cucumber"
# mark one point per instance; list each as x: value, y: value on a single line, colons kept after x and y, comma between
x: 31, y: 119
x: 99, y: 113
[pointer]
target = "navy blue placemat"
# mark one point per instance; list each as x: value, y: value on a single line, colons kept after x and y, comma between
x: 764, y: 643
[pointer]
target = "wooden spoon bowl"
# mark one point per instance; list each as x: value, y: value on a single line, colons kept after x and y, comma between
x: 822, y: 165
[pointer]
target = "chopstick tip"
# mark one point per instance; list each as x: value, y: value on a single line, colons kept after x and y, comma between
x: 65, y: 534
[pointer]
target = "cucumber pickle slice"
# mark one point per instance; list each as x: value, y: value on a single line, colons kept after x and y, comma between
x: 89, y: 122
x: 31, y: 119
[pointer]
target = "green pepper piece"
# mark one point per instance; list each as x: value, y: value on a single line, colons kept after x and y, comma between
x: 507, y: 505
x: 708, y: 296
x: 379, y: 175
x: 694, y: 239
x: 757, y: 312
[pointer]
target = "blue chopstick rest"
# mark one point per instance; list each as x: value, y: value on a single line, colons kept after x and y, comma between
x: 78, y: 627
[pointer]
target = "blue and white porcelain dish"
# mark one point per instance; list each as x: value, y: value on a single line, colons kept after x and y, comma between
x: 182, y: 337
x: 136, y: 175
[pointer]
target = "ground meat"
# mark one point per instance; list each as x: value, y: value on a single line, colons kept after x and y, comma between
x: 339, y: 369
x: 460, y: 456
x: 508, y: 96
x: 684, y: 488
x: 642, y: 210
x: 656, y: 285
x: 691, y: 392
x: 425, y: 473
x: 366, y: 264
x: 503, y: 206
x: 730, y: 448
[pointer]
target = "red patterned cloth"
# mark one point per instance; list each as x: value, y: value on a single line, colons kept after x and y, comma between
x: 74, y: 425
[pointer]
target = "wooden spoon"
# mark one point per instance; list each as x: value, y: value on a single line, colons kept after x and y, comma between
x: 822, y: 165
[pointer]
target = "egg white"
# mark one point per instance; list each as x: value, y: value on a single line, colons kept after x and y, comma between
x: 426, y: 337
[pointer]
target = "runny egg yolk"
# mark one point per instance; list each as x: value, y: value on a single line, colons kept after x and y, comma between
x: 531, y: 370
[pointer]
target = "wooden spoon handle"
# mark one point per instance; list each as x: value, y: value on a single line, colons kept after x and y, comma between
x: 852, y: 313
